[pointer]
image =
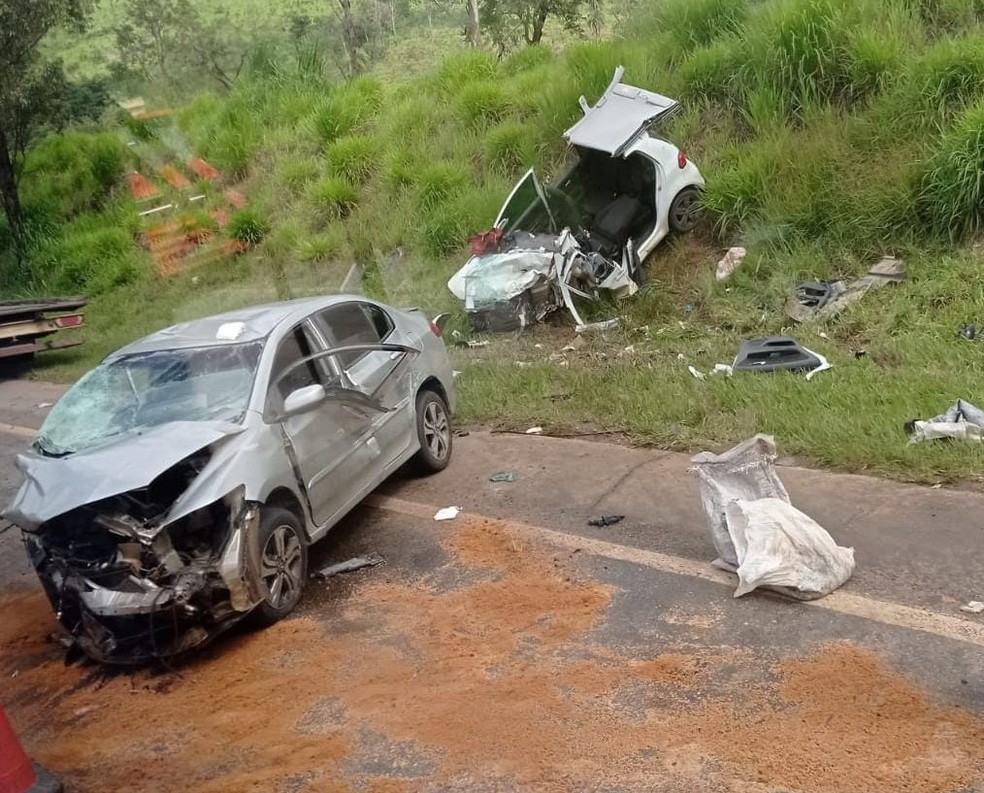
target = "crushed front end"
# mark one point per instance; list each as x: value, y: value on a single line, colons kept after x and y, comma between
x: 130, y: 587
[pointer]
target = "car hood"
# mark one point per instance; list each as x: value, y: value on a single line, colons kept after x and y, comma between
x: 55, y: 485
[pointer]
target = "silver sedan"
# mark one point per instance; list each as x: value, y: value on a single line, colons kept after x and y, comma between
x: 176, y: 487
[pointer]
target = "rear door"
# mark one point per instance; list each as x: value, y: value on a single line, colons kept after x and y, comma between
x: 619, y: 117
x: 382, y: 376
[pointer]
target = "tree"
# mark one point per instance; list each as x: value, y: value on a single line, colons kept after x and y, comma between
x: 32, y: 93
x: 509, y: 21
x: 473, y: 31
x: 152, y: 35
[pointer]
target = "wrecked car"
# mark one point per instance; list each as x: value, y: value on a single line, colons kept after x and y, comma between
x: 590, y: 230
x: 176, y: 487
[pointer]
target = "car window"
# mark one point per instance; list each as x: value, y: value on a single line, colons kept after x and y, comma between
x: 296, y: 345
x: 355, y: 323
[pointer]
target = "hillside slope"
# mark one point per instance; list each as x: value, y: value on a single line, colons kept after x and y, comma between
x: 829, y: 132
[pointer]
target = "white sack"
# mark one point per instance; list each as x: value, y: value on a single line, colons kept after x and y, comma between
x: 781, y: 548
x: 746, y: 472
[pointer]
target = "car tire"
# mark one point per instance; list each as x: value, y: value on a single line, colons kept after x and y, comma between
x: 434, y: 433
x: 283, y: 558
x: 685, y: 210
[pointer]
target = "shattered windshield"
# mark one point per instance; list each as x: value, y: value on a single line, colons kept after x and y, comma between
x: 145, y: 390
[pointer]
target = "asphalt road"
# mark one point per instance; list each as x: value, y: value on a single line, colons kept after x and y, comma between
x: 516, y: 648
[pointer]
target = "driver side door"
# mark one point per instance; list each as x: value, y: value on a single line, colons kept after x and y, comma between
x: 327, y: 442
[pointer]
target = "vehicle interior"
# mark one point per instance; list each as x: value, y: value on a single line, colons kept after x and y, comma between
x: 612, y: 199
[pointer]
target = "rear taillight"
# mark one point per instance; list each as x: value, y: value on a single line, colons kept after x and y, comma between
x: 71, y: 321
x: 434, y: 329
x: 681, y: 159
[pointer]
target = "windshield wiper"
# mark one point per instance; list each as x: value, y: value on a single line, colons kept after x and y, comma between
x: 49, y: 451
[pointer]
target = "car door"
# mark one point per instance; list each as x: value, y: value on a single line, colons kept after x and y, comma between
x: 380, y: 374
x: 619, y: 117
x: 526, y: 208
x: 326, y: 443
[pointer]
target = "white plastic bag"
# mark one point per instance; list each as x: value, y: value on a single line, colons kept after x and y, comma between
x: 745, y: 472
x: 780, y: 548
x: 758, y: 534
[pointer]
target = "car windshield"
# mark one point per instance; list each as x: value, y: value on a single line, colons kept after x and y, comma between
x: 144, y: 390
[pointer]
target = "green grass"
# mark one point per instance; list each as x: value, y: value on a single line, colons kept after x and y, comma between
x: 829, y: 132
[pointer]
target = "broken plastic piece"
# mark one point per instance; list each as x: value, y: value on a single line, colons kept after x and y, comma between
x: 355, y: 563
x: 608, y: 324
x: 775, y: 352
x: 973, y: 607
x: 503, y: 476
x: 606, y: 520
x: 696, y: 372
x: 534, y: 431
x: 447, y: 513
x: 730, y: 262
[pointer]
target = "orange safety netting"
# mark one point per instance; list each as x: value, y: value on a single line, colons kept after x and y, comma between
x: 141, y: 188
x: 202, y: 169
x: 174, y: 177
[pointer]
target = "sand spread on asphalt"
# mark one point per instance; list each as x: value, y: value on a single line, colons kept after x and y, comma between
x: 486, y: 676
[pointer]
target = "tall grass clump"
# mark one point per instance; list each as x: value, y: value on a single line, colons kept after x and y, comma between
x: 334, y: 197
x: 353, y: 157
x: 90, y: 255
x: 73, y: 172
x: 439, y: 181
x: 248, y: 226
x: 936, y: 84
x: 951, y: 198
x: 511, y: 147
x: 456, y: 71
x: 695, y: 23
x: 483, y: 103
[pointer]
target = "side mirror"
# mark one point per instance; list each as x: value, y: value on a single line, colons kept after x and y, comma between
x: 303, y: 399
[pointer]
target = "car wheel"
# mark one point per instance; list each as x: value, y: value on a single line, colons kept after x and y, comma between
x: 685, y: 210
x: 283, y: 564
x: 434, y: 434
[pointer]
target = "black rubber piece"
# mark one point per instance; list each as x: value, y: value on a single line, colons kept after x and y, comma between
x: 772, y: 353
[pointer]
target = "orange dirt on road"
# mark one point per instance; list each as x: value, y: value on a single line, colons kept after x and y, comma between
x: 497, y: 676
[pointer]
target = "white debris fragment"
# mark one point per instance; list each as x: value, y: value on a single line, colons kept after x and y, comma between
x: 974, y: 607
x: 455, y: 373
x: 447, y: 513
x: 696, y: 372
x: 608, y: 324
x: 43, y: 405
x: 681, y: 356
x: 824, y: 364
x: 730, y: 262
x: 534, y: 431
x: 723, y: 367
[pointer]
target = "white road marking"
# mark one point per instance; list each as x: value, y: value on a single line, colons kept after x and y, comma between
x: 895, y: 614
x: 13, y: 429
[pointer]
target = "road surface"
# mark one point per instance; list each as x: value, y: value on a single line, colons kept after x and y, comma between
x: 516, y: 648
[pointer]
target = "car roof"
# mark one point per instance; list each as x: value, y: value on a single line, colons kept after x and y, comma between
x: 232, y: 327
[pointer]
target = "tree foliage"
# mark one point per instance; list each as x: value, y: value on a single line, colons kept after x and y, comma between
x: 508, y: 22
x: 34, y: 95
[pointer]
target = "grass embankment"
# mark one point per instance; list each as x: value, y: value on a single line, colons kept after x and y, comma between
x: 829, y: 132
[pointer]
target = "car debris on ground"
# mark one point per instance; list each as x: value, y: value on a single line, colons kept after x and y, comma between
x: 963, y: 421
x: 504, y: 476
x: 606, y: 520
x: 587, y: 234
x: 758, y: 533
x: 973, y: 607
x: 968, y: 332
x: 825, y: 299
x: 768, y: 354
x: 349, y: 565
x: 534, y: 431
x: 730, y: 262
x: 447, y: 513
